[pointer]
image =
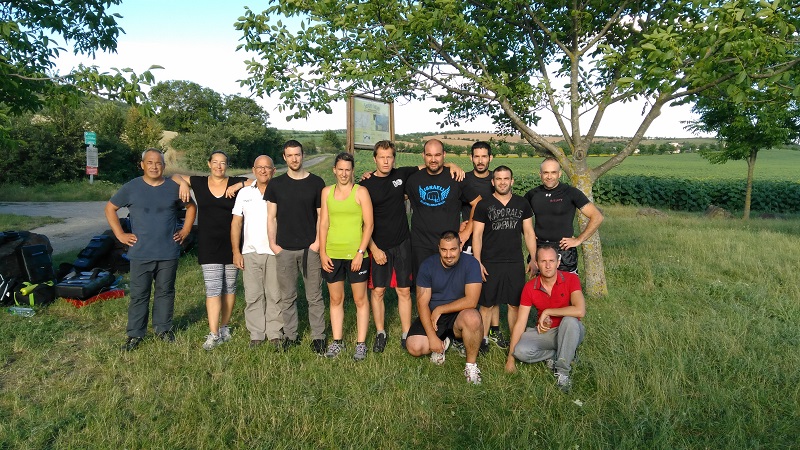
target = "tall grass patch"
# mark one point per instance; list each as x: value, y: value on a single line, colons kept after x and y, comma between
x: 695, y: 346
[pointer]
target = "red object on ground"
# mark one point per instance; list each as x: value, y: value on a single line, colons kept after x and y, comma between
x: 114, y: 293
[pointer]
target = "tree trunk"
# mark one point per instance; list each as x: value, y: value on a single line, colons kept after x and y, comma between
x: 594, y: 275
x: 748, y: 193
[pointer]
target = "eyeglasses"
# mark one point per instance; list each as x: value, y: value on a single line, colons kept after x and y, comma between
x: 264, y: 167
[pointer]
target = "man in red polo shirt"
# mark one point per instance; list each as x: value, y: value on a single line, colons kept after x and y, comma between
x: 560, y: 305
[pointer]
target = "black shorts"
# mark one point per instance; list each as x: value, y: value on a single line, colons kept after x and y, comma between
x: 444, y: 326
x: 419, y: 254
x: 341, y: 270
x: 503, y: 285
x: 568, y: 258
x: 396, y: 273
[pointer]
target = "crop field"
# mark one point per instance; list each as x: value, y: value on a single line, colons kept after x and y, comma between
x: 778, y: 165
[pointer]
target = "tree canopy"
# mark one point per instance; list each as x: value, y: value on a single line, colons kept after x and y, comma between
x: 515, y: 61
x: 29, y: 47
x: 745, y: 128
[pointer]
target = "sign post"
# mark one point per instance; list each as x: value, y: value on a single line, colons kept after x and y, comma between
x: 92, y: 159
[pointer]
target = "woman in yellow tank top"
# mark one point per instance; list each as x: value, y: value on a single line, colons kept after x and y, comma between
x: 345, y: 230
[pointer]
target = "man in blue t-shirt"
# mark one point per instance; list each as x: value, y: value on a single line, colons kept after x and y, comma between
x: 154, y: 242
x: 448, y: 288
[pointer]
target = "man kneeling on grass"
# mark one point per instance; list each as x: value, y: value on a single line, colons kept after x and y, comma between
x: 560, y: 304
x: 448, y: 287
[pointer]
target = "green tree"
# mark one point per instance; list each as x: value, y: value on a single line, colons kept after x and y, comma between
x: 29, y: 46
x: 514, y: 61
x: 331, y: 142
x: 247, y: 125
x: 141, y: 131
x: 184, y: 105
x: 743, y: 129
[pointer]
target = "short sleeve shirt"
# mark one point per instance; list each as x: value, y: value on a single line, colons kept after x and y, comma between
x: 481, y: 186
x: 448, y: 284
x: 436, y: 204
x: 251, y: 206
x: 298, y: 202
x: 535, y: 296
x: 502, y: 228
x: 154, y: 217
x: 388, y: 206
x: 213, y: 222
x: 554, y: 210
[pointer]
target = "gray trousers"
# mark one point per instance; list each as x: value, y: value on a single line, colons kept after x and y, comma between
x: 558, y: 344
x: 262, y: 312
x: 143, y: 276
x: 307, y: 262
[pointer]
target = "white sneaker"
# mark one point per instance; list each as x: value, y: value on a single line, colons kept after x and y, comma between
x: 224, y: 333
x: 472, y: 373
x: 438, y: 358
x: 212, y: 340
x: 563, y: 382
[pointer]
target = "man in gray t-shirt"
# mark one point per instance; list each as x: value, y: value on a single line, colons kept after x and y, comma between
x: 154, y: 244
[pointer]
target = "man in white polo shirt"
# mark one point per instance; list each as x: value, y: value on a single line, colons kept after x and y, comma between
x: 262, y: 313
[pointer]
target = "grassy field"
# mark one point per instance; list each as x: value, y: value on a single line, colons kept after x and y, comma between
x: 777, y: 164
x: 695, y: 347
x: 15, y: 222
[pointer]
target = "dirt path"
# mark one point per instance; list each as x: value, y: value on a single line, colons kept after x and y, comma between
x: 82, y: 220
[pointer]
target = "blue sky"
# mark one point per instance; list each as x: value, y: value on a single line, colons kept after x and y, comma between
x: 195, y: 41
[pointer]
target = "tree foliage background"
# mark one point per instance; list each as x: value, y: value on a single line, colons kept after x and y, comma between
x: 515, y: 61
x: 32, y: 36
x: 208, y: 121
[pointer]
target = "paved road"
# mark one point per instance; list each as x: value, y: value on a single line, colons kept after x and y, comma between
x: 82, y: 220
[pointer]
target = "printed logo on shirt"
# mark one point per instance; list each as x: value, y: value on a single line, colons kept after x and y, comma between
x: 397, y: 183
x: 433, y: 195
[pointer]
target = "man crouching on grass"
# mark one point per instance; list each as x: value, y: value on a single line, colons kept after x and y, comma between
x: 448, y: 287
x: 560, y: 304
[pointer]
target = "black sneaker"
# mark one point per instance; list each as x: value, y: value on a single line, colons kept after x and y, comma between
x: 484, y: 349
x: 319, y: 346
x: 380, y: 342
x: 167, y: 336
x: 498, y: 338
x: 131, y: 344
x: 458, y: 346
x: 403, y: 343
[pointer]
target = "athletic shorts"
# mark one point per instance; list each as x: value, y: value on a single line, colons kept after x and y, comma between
x: 419, y: 254
x: 568, y: 258
x: 219, y: 279
x: 341, y: 270
x: 396, y: 273
x: 503, y: 285
x: 444, y: 326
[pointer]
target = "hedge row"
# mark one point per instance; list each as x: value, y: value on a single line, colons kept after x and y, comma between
x: 686, y: 195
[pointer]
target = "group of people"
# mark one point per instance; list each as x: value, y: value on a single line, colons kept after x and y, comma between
x: 463, y: 252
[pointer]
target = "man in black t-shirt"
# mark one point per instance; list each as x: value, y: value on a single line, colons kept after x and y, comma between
x: 500, y: 221
x: 479, y: 179
x: 554, y: 206
x: 390, y: 247
x: 293, y: 203
x: 436, y: 203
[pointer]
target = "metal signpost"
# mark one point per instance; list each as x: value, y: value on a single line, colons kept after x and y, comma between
x: 90, y: 139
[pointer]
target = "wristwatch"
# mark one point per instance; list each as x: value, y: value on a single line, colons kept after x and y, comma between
x: 360, y: 251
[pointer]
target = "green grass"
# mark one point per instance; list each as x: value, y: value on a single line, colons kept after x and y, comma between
x: 79, y: 191
x: 15, y: 222
x: 778, y: 165
x: 695, y: 347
